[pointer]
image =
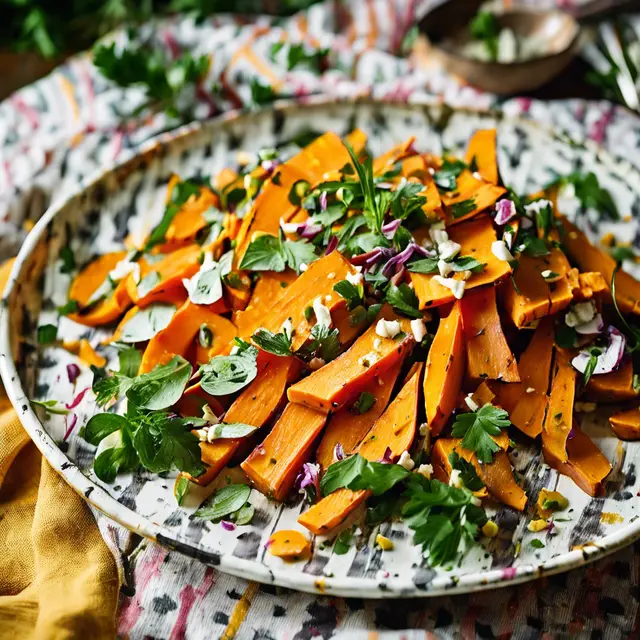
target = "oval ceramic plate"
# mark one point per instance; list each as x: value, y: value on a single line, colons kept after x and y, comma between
x: 130, y: 199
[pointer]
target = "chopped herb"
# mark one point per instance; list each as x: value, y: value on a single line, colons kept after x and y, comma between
x: 343, y: 542
x: 446, y: 176
x: 68, y: 260
x: 224, y: 502
x: 594, y: 353
x: 51, y: 406
x: 476, y: 428
x: 181, y: 489
x: 70, y: 306
x: 468, y: 474
x: 224, y: 375
x: 537, y: 544
x: 462, y: 208
x: 277, y: 343
x: 404, y: 300
x: 364, y: 402
x: 353, y: 294
x: 47, y: 333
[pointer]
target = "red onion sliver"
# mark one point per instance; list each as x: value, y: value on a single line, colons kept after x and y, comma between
x: 331, y: 247
x: 228, y: 526
x: 323, y: 200
x: 73, y: 371
x: 593, y: 327
x: 77, y: 400
x: 386, y: 458
x: 505, y: 210
x: 71, y: 427
x: 609, y: 360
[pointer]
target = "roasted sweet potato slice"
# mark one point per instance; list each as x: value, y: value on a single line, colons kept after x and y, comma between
x: 488, y: 354
x: 392, y: 433
x: 475, y: 238
x: 274, y: 465
x: 613, y: 387
x: 348, y: 427
x: 416, y: 167
x: 445, y: 369
x: 480, y: 194
x: 626, y: 424
x: 482, y: 152
x: 342, y: 380
x: 559, y: 419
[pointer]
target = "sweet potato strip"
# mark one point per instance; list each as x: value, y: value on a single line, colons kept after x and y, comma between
x: 324, y: 154
x: 626, y: 424
x: 179, y: 335
x: 475, y: 238
x: 88, y: 281
x: 497, y: 475
x: 189, y: 220
x: 172, y: 269
x: 256, y: 405
x: 559, y: 418
x: 222, y: 333
x: 348, y: 427
x: 386, y: 161
x: 269, y: 287
x: 529, y: 297
x: 482, y: 194
x: 395, y: 430
x: 193, y: 400
x: 343, y: 379
x: 446, y: 364
x: 416, y: 167
x: 584, y: 286
x: 613, y: 387
x: 316, y: 282
x: 273, y: 465
x: 488, y: 354
x: 589, y: 258
x: 482, y: 151
x: 526, y: 401
x: 585, y: 464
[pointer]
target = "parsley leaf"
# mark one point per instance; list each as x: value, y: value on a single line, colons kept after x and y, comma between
x: 462, y: 208
x: 161, y: 387
x: 146, y: 323
x: 297, y: 253
x: 461, y: 263
x: 47, y: 333
x: 404, y: 300
x: 181, y: 489
x: 325, y: 342
x: 364, y: 402
x: 406, y: 199
x: 223, y: 375
x: 277, y: 343
x: 268, y: 253
x: 446, y: 176
x: 477, y: 427
x: 468, y: 474
x: 352, y: 293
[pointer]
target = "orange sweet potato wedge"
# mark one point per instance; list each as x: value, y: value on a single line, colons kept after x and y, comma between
x: 469, y: 188
x: 585, y: 464
x: 497, y: 475
x: 416, y: 167
x: 325, y: 154
x: 193, y: 400
x: 526, y: 401
x: 88, y: 281
x: 386, y: 161
x: 613, y: 387
x: 395, y: 430
x: 559, y: 418
x: 488, y: 354
x: 179, y: 335
x: 274, y: 465
x: 588, y: 257
x: 342, y: 380
x: 482, y: 151
x: 316, y: 282
x: 256, y: 405
x: 626, y: 424
x: 222, y: 331
x: 446, y: 364
x: 475, y: 238
x: 269, y: 287
x: 348, y: 427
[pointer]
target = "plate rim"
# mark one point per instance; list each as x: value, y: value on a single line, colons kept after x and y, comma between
x: 250, y: 569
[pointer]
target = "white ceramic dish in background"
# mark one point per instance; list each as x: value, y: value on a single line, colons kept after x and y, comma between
x: 130, y: 197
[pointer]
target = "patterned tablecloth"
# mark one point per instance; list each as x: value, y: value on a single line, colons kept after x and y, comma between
x: 60, y: 130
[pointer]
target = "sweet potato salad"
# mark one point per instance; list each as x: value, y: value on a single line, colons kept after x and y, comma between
x: 377, y: 331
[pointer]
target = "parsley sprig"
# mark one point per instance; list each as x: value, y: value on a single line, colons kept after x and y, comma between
x: 476, y: 428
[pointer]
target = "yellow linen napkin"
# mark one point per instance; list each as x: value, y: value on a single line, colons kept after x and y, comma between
x: 58, y: 579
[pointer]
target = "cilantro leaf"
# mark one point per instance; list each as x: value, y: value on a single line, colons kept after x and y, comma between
x: 223, y: 375
x: 477, y: 427
x: 446, y: 176
x: 264, y: 254
x: 462, y: 208
x: 352, y: 293
x: 297, y: 253
x: 404, y: 300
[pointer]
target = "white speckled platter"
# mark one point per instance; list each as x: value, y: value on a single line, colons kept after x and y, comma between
x: 130, y: 198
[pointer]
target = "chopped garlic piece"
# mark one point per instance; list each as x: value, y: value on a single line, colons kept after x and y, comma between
x: 377, y: 343
x: 331, y: 276
x: 455, y: 480
x: 500, y: 251
x: 471, y: 403
x: 423, y: 429
x: 426, y: 470
x: 323, y: 315
x: 124, y: 268
x: 445, y: 268
x: 406, y: 461
x: 530, y: 390
x: 354, y: 278
x: 536, y: 206
x: 438, y: 234
x: 388, y: 328
x: 418, y: 329
x: 448, y: 249
x: 457, y: 287
x: 385, y: 544
x: 303, y: 267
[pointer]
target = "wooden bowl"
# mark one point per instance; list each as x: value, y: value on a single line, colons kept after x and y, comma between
x: 446, y: 27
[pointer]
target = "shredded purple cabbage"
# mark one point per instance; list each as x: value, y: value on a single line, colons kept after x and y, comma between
x: 390, y: 228
x: 323, y: 200
x: 386, y: 458
x: 505, y: 210
x: 309, y: 230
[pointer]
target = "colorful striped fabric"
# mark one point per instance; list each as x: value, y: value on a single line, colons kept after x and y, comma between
x: 59, y: 131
